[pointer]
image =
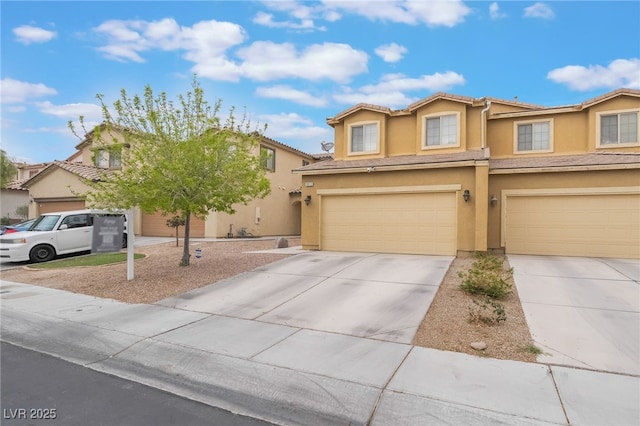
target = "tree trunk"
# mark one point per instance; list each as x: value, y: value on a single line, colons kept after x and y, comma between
x: 185, y: 250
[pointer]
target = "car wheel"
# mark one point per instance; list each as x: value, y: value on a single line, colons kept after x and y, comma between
x: 42, y: 253
x: 124, y: 241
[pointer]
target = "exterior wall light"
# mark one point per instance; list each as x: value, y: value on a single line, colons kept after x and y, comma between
x: 494, y: 200
x: 466, y: 195
x: 307, y: 200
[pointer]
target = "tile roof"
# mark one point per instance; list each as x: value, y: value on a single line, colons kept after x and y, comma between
x: 16, y: 184
x: 401, y: 160
x: 576, y: 160
x: 81, y: 170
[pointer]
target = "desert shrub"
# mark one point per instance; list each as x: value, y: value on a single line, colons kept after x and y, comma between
x: 487, y: 276
x: 487, y: 311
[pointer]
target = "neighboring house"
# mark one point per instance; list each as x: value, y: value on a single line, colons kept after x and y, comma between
x: 452, y: 173
x: 13, y: 197
x: 60, y: 186
x: 26, y: 171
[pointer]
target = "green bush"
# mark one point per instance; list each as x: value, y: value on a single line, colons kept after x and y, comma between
x: 487, y: 311
x: 487, y: 276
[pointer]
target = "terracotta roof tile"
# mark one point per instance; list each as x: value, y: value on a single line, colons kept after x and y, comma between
x: 81, y: 170
x: 401, y: 160
x: 589, y: 159
x: 16, y: 184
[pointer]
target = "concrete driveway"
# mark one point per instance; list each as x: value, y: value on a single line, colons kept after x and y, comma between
x: 378, y: 296
x: 582, y: 312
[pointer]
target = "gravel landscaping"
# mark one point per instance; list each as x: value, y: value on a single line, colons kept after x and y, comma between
x: 158, y: 276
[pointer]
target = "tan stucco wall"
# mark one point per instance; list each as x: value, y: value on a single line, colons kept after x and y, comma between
x: 464, y: 176
x: 569, y: 134
x: 279, y: 212
x: 11, y: 200
x: 58, y: 184
x: 583, y: 179
x: 617, y: 104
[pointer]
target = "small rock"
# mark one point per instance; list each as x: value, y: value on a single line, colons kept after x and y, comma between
x: 282, y: 243
x: 479, y: 346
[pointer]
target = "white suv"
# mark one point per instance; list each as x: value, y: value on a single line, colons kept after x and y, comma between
x: 53, y: 234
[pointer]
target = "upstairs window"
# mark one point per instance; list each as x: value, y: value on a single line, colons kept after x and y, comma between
x: 533, y: 136
x: 101, y: 159
x: 363, y: 138
x: 268, y: 157
x: 108, y: 158
x: 441, y: 131
x: 620, y: 128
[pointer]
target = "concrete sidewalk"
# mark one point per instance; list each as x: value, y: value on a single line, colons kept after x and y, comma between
x: 291, y: 375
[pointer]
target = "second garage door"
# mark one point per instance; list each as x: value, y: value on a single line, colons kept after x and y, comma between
x: 422, y: 223
x: 602, y: 225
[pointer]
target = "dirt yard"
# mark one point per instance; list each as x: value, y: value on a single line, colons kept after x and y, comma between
x: 158, y: 276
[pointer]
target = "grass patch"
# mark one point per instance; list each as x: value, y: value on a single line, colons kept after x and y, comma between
x: 533, y: 349
x: 90, y: 260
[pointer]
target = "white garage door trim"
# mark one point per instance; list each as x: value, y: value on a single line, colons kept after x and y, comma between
x: 390, y: 190
x: 327, y: 194
x: 602, y: 191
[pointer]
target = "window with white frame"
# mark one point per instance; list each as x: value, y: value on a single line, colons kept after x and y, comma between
x: 441, y: 130
x: 619, y: 128
x: 363, y: 138
x: 534, y: 136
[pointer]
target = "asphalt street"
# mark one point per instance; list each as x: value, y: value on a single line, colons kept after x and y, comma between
x: 38, y: 389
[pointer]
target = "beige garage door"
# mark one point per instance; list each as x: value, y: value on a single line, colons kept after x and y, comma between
x: 390, y: 223
x: 59, y: 206
x: 574, y: 225
x: 155, y: 225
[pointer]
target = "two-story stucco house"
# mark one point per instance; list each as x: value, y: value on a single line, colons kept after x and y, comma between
x: 60, y: 187
x: 452, y: 173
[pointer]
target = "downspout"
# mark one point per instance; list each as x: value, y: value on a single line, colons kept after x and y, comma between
x: 483, y: 133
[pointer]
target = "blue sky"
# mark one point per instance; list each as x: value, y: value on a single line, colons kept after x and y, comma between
x: 293, y: 64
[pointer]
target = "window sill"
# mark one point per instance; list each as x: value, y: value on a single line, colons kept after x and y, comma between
x: 618, y: 145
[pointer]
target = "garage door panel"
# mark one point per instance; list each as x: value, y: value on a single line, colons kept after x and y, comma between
x: 574, y: 225
x: 390, y: 223
x: 155, y: 225
x: 60, y: 206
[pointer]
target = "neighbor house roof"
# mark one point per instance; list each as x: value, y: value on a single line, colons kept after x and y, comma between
x: 81, y: 170
x: 16, y: 184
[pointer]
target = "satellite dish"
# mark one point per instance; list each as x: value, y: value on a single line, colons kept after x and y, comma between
x: 326, y: 146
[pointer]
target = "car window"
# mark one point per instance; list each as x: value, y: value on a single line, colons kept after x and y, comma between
x: 45, y: 223
x: 76, y: 221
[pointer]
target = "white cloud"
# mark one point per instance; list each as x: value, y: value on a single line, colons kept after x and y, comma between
x: 413, y: 12
x: 390, y: 91
x: 26, y: 34
x: 14, y: 91
x: 265, y: 60
x: 494, y: 11
x: 304, y: 15
x: 539, y: 10
x: 290, y: 94
x: 205, y: 43
x: 391, y: 52
x: 300, y: 131
x: 90, y: 112
x: 267, y: 20
x: 619, y: 73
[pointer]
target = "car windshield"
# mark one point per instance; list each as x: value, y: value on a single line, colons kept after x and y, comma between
x: 45, y: 223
